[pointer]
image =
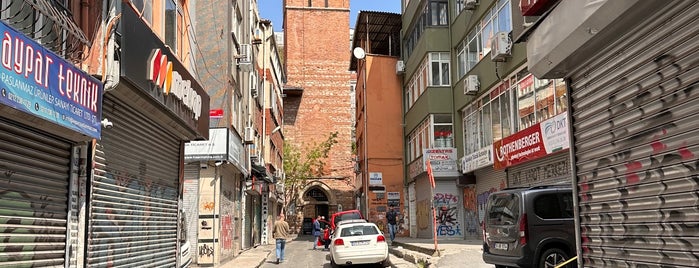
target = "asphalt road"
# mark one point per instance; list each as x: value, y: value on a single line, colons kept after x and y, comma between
x: 299, y: 253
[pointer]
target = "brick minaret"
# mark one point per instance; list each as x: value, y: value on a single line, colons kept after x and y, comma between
x: 317, y: 54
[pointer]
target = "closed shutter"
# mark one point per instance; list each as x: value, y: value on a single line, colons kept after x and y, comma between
x: 134, y: 192
x: 447, y: 202
x: 34, y: 179
x: 190, y: 203
x: 488, y: 181
x: 549, y: 170
x: 636, y: 123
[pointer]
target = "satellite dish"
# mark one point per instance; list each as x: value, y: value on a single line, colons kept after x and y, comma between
x: 359, y: 53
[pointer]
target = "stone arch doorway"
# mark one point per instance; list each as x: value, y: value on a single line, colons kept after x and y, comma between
x: 318, y: 199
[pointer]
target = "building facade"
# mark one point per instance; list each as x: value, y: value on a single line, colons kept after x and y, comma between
x: 94, y: 187
x: 232, y: 197
x: 318, y: 100
x: 379, y: 118
x: 468, y: 90
x: 631, y: 73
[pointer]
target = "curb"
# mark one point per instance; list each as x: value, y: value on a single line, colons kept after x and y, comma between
x: 263, y: 260
x: 412, y: 256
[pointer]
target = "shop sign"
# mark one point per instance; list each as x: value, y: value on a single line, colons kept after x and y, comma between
x: 415, y: 168
x: 476, y: 160
x: 537, y: 141
x: 171, y: 82
x: 236, y: 153
x: 212, y: 149
x: 443, y: 161
x: 375, y: 178
x: 36, y: 81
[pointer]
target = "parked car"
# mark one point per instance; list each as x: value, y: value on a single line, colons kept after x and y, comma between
x: 358, y: 242
x: 529, y: 227
x: 344, y: 215
x: 307, y: 226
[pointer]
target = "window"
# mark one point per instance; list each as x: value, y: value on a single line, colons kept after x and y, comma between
x: 417, y: 84
x: 434, y: 13
x: 443, y: 131
x: 145, y: 8
x: 359, y: 230
x: 171, y: 16
x: 503, y: 209
x: 439, y: 67
x: 419, y: 140
x: 438, y: 13
x: 548, y: 206
x: 476, y: 45
x: 539, y: 99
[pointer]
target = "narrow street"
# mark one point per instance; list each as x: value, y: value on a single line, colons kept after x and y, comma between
x: 299, y: 253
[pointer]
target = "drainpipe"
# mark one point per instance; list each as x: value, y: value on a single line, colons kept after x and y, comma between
x: 83, y: 14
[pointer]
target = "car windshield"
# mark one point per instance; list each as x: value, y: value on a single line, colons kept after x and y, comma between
x: 504, y: 209
x: 357, y: 230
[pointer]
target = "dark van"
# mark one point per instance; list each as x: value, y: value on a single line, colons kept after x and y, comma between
x: 529, y: 227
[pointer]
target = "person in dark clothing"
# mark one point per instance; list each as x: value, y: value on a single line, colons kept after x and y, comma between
x: 326, y: 238
x: 391, y: 217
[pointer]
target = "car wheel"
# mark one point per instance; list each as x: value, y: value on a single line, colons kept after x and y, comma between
x: 333, y: 264
x: 552, y: 257
x: 386, y: 262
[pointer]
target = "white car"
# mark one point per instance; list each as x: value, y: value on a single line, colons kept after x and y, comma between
x: 358, y: 242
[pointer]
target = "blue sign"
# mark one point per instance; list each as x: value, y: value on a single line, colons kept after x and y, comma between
x: 39, y: 82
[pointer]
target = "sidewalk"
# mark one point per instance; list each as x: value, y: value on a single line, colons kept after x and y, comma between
x: 421, y: 250
x: 251, y: 258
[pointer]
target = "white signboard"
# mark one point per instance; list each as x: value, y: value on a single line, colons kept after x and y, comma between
x: 442, y: 160
x: 213, y: 149
x: 375, y: 178
x: 478, y: 159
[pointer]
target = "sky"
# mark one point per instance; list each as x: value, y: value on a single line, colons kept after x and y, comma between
x: 272, y: 9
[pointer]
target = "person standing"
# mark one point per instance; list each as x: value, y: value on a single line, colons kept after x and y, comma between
x: 280, y: 233
x: 326, y: 238
x: 316, y: 232
x: 391, y: 216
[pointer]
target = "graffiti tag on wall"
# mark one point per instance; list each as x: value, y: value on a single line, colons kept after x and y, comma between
x: 226, y: 232
x: 471, y: 223
x: 447, y: 210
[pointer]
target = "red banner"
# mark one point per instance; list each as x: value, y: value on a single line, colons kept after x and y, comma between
x: 520, y: 147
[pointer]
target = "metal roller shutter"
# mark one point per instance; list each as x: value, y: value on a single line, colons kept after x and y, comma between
x: 488, y: 180
x: 636, y: 123
x: 134, y: 192
x: 552, y: 169
x: 447, y: 202
x: 35, y: 173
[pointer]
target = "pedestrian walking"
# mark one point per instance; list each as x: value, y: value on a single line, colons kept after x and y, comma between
x: 391, y: 216
x: 280, y: 233
x: 316, y: 232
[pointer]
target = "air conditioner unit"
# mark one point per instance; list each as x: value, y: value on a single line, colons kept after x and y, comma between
x: 400, y: 67
x: 470, y: 4
x: 471, y: 84
x: 249, y: 135
x: 500, y: 46
x: 253, y: 92
x: 245, y: 57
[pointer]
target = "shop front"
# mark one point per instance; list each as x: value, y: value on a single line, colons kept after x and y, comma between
x: 218, y: 174
x: 50, y: 110
x: 135, y: 189
x: 633, y: 92
x: 444, y: 196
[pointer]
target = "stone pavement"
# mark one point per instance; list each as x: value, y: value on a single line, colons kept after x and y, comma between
x: 406, y: 252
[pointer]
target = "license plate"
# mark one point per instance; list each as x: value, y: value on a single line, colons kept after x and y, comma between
x: 360, y: 243
x: 501, y: 246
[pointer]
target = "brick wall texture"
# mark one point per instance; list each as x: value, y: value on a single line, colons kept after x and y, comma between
x: 317, y: 53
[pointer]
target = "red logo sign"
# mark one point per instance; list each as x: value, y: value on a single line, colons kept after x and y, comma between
x: 161, y: 73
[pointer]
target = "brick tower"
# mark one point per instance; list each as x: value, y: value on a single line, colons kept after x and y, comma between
x: 318, y: 96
